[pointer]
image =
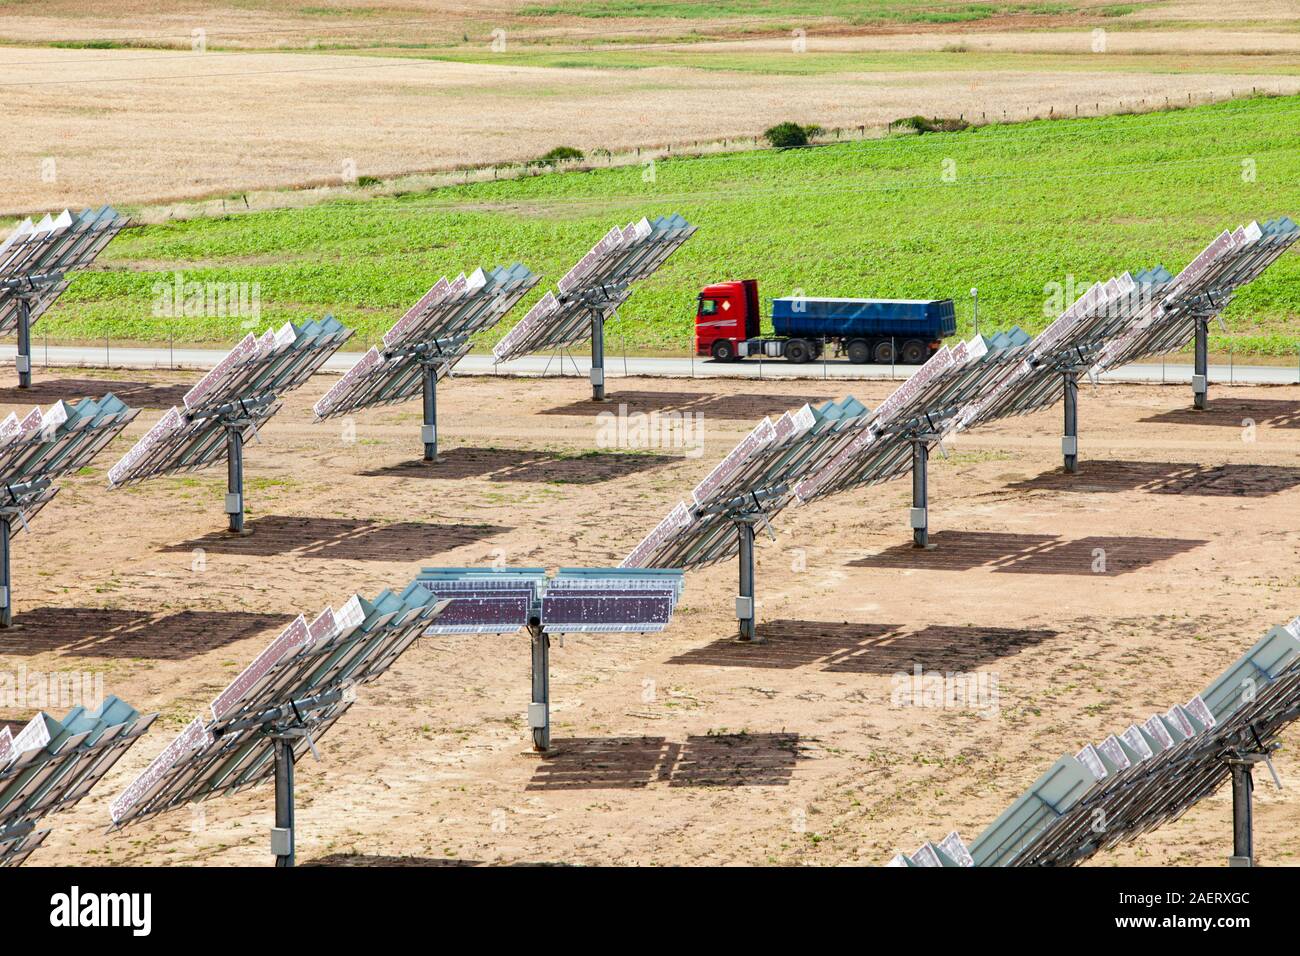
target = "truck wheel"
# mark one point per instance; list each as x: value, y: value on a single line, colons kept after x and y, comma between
x: 859, y: 352
x: 798, y: 351
x: 883, y: 353
x: 913, y: 352
x: 723, y: 351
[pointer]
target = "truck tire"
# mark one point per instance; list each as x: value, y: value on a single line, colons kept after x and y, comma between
x: 798, y: 351
x: 724, y: 351
x: 859, y: 352
x: 914, y: 352
x: 883, y: 353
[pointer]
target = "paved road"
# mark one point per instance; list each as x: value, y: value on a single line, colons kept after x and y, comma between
x: 617, y: 366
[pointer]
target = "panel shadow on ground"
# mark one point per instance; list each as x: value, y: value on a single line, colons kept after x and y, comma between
x: 957, y: 551
x: 349, y: 539
x: 939, y: 647
x: 1168, y: 478
x: 1235, y: 413
x: 131, y: 633
x: 135, y: 394
x: 1097, y: 555
x: 785, y: 645
x: 738, y: 407
x: 513, y: 464
x: 629, y: 763
x: 1101, y: 555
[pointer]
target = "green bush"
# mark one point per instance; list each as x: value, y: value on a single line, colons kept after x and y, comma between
x: 556, y: 156
x: 921, y: 124
x: 789, y: 135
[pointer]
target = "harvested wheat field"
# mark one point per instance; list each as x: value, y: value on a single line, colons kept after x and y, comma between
x: 138, y: 108
x: 680, y: 747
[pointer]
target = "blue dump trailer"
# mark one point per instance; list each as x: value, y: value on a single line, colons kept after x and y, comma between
x: 866, y: 330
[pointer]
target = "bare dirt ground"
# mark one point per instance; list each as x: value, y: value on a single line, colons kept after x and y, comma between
x: 131, y: 126
x: 682, y: 747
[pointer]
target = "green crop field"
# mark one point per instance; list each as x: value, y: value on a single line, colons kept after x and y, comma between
x: 1021, y: 211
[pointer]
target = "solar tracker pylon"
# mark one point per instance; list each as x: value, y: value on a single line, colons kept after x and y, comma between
x: 746, y: 512
x: 26, y: 288
x: 576, y: 600
x: 24, y: 357
x: 1242, y: 765
x: 1070, y: 438
x: 1201, y: 371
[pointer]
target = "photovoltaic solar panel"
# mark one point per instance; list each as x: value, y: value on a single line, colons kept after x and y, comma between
x: 926, y: 407
x: 36, y: 258
x: 1203, y: 289
x: 42, y: 447
x: 505, y: 600
x: 245, y: 386
x: 51, y: 764
x: 39, y: 449
x: 608, y: 599
x: 435, y: 332
x: 483, y: 601
x: 574, y: 600
x: 595, y: 287
x: 1153, y: 771
x: 302, y: 681
x: 757, y: 477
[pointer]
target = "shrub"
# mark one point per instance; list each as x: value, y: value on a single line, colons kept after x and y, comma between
x: 556, y: 156
x: 788, y: 135
x: 921, y: 124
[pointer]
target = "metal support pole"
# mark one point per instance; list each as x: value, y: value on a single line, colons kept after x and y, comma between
x: 1200, y: 374
x: 1070, y: 440
x: 282, y: 835
x: 24, y: 358
x: 920, y: 517
x: 539, y: 710
x: 235, y: 478
x: 429, y: 433
x: 6, y: 605
x: 1243, y: 837
x: 597, y: 357
x: 745, y: 610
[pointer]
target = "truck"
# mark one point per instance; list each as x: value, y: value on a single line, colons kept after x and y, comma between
x: 727, y: 326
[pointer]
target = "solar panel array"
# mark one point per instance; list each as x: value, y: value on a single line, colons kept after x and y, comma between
x: 228, y: 405
x: 595, y: 287
x: 926, y: 407
x: 37, y: 450
x: 1153, y: 771
x: 35, y: 259
x: 41, y: 447
x: 303, y: 679
x: 574, y: 600
x: 51, y: 764
x: 435, y: 332
x: 756, y: 478
x: 1200, y: 291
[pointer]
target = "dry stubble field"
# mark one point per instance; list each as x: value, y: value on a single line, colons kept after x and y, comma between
x: 682, y: 747
x: 315, y: 98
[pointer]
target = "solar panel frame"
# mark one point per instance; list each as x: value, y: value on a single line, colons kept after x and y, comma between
x: 53, y: 764
x: 1153, y: 772
x: 309, y: 667
x: 1203, y: 289
x: 35, y: 259
x: 229, y: 405
x: 435, y: 331
x: 595, y: 287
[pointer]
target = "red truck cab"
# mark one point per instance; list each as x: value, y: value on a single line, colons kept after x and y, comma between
x: 727, y: 313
